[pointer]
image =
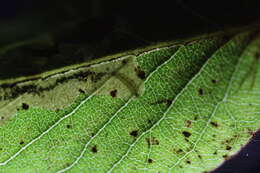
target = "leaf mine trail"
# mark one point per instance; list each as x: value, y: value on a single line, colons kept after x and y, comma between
x: 177, y: 108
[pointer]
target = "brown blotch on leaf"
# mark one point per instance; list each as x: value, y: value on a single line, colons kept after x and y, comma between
x: 81, y: 91
x: 228, y: 147
x: 186, y: 134
x: 68, y: 126
x: 21, y: 142
x: 150, y: 160
x: 188, y: 123
x: 201, y: 92
x: 94, y: 149
x: 134, y: 133
x: 214, y: 124
x: 140, y: 73
x: 113, y: 93
x: 25, y: 106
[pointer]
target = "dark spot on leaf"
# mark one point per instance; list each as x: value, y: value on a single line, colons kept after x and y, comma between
x: 149, y: 121
x: 201, y: 92
x: 2, y: 117
x: 214, y: 124
x: 228, y: 147
x: 214, y: 81
x: 215, y: 153
x: 140, y: 73
x: 188, y: 123
x: 81, y: 91
x: 179, y: 151
x: 152, y: 141
x: 124, y: 61
x: 68, y: 126
x: 134, y: 133
x: 94, y: 149
x: 21, y: 142
x: 150, y: 160
x: 228, y: 140
x: 188, y: 161
x: 225, y: 156
x: 113, y: 93
x: 96, y: 77
x: 168, y: 102
x: 186, y: 134
x: 25, y: 106
x: 199, y: 156
x: 257, y: 55
x: 196, y: 117
x: 251, y: 133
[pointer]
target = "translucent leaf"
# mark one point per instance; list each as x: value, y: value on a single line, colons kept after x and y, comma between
x: 181, y: 107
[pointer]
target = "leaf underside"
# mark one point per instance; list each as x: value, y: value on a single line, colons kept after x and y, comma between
x: 181, y: 108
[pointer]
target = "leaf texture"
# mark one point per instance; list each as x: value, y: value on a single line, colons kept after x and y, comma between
x: 178, y: 108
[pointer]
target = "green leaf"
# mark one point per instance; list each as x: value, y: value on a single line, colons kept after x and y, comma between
x: 173, y: 107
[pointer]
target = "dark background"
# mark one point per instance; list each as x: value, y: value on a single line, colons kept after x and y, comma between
x: 69, y: 32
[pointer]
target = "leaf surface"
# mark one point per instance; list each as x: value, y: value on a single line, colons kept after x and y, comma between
x: 178, y: 108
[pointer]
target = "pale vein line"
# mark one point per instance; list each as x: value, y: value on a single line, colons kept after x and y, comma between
x: 49, y: 129
x: 164, y: 116
x: 213, y: 113
x: 157, y: 123
x: 10, y: 103
x: 145, y: 132
x: 111, y: 119
x: 92, y: 138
